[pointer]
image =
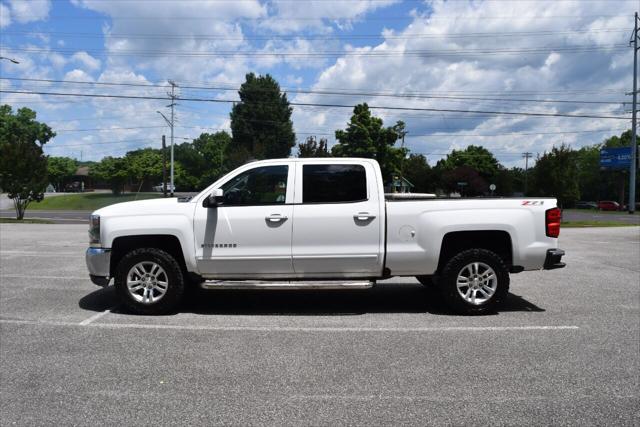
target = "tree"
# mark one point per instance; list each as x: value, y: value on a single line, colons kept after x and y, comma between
x: 475, y: 184
x: 23, y: 165
x: 516, y: 176
x: 419, y: 173
x: 261, y: 122
x: 474, y: 156
x: 60, y: 168
x: 590, y: 180
x: 556, y: 174
x: 145, y: 166
x: 113, y: 170
x: 202, y: 160
x: 312, y: 148
x: 365, y: 136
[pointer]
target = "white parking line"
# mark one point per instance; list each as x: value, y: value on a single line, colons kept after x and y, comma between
x: 88, y: 322
x: 25, y: 276
x: 39, y: 253
x: 94, y: 317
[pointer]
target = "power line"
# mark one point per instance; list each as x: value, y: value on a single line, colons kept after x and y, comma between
x: 323, y: 133
x: 321, y: 18
x: 326, y: 92
x: 51, y: 145
x: 108, y: 129
x: 332, y: 54
x: 474, y: 35
x: 309, y: 104
x: 201, y: 85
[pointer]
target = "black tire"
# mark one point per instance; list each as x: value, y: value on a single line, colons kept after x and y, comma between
x: 452, y: 295
x: 427, y: 281
x: 175, y: 279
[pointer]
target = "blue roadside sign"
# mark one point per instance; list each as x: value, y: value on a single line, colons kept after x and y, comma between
x: 615, y: 158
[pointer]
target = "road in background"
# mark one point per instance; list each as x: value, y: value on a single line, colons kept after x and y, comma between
x: 7, y: 203
x: 563, y: 350
x: 57, y: 217
x: 594, y: 215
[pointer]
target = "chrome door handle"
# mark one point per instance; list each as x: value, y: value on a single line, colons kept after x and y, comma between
x: 276, y: 218
x: 363, y: 216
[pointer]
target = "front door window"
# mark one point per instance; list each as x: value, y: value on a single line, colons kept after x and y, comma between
x: 265, y: 185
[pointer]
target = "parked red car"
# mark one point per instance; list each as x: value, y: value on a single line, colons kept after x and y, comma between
x: 608, y: 205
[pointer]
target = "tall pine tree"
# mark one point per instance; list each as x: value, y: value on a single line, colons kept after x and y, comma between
x: 261, y: 122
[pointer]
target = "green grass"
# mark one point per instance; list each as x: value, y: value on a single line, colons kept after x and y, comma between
x: 597, y: 211
x: 24, y: 221
x: 588, y: 223
x: 87, y: 201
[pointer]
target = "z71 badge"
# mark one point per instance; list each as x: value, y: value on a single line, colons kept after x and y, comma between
x: 533, y: 203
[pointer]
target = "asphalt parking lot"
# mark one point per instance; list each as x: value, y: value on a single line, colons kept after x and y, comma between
x: 564, y: 350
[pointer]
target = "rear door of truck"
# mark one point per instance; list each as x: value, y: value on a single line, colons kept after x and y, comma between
x: 338, y: 223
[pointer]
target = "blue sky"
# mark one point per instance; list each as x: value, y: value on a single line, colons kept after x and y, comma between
x: 493, y: 55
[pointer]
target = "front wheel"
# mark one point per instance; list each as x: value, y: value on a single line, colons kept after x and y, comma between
x: 149, y: 281
x: 474, y: 281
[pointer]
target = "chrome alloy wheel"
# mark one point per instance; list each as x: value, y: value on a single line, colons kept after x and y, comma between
x: 147, y: 282
x: 476, y: 283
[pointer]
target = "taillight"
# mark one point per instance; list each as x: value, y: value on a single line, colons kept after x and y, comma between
x: 552, y: 221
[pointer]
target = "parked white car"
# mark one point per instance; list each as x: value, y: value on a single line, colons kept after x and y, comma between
x: 318, y: 223
x: 160, y: 188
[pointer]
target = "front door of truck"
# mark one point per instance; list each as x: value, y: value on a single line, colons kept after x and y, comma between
x: 248, y: 235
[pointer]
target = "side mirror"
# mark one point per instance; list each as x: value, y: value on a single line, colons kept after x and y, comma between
x: 213, y: 199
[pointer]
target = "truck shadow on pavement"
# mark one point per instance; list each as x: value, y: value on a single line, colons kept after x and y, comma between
x: 383, y: 298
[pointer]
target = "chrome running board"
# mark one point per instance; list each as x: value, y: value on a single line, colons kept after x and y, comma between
x: 299, y: 284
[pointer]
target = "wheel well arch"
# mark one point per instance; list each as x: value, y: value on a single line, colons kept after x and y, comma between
x: 497, y: 241
x: 166, y: 242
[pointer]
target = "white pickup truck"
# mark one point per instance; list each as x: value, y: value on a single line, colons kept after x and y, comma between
x: 318, y: 223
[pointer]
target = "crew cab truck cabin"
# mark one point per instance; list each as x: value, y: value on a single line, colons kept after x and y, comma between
x: 318, y: 223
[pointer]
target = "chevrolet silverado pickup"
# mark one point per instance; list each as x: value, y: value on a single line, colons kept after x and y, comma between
x: 318, y: 223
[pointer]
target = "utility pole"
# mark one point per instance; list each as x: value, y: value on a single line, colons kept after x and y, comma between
x: 164, y: 167
x: 170, y: 123
x: 404, y: 132
x: 634, y: 148
x: 173, y: 98
x: 526, y: 156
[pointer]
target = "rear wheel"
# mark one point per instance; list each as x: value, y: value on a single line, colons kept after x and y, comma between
x: 149, y: 281
x: 474, y: 281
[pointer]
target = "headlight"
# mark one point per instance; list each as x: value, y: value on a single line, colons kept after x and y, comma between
x: 94, y: 230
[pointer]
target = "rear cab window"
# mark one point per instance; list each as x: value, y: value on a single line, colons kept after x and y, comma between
x: 333, y: 183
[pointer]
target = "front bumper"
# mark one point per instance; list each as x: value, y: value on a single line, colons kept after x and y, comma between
x: 98, y: 262
x: 552, y: 261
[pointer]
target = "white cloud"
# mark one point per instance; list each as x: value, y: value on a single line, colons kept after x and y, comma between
x: 193, y: 29
x: 296, y: 53
x: 435, y: 55
x: 5, y: 16
x: 292, y: 80
x: 90, y: 63
x: 57, y: 60
x: 29, y: 11
x: 77, y: 76
x: 290, y: 17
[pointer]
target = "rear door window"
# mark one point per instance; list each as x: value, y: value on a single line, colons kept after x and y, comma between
x: 333, y: 183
